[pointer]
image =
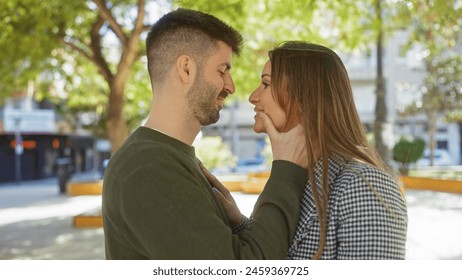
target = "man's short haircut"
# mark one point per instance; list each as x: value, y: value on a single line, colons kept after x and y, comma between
x: 187, y: 32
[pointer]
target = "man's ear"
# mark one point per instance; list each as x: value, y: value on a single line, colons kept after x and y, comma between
x: 186, y: 68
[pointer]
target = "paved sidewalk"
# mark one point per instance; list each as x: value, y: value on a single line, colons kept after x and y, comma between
x: 36, y: 223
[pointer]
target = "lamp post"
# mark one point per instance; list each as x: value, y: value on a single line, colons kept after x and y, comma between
x: 19, y: 149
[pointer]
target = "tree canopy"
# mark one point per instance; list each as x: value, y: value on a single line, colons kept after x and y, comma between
x: 95, y: 48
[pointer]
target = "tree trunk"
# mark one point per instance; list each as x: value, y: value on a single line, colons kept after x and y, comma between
x: 117, y: 128
x: 432, y: 135
x: 381, y: 106
x: 116, y: 124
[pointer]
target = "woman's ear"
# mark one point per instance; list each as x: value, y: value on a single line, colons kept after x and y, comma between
x: 186, y: 69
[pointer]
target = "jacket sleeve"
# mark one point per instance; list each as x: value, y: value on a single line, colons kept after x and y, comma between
x: 175, y: 217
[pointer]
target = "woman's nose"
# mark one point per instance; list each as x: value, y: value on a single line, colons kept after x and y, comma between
x: 254, y: 96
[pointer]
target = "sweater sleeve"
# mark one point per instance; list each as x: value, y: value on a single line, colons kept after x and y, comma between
x: 174, y: 216
x: 276, y: 213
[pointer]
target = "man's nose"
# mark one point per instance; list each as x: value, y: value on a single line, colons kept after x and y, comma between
x: 229, y: 85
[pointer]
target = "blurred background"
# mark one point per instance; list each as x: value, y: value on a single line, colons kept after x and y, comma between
x: 74, y: 84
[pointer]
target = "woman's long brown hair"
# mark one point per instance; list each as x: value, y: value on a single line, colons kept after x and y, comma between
x: 311, y: 83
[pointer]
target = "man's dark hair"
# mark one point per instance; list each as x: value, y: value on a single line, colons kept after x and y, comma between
x: 186, y: 32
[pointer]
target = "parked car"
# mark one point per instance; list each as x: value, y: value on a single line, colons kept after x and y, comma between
x: 251, y: 165
x: 441, y: 158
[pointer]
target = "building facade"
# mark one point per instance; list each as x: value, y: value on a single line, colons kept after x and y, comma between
x: 30, y: 145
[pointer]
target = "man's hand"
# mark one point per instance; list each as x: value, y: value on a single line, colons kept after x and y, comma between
x: 289, y: 146
x: 225, y: 198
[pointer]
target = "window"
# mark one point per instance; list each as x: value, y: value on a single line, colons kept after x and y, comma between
x: 442, y: 144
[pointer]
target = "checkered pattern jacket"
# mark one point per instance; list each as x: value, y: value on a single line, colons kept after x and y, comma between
x: 367, y: 216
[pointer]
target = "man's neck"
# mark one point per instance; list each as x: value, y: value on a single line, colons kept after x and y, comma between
x: 168, y: 120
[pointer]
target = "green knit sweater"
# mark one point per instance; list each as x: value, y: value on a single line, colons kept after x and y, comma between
x: 157, y: 204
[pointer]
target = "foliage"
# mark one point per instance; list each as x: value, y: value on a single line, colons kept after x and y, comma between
x: 265, y: 23
x: 45, y: 41
x: 442, y: 90
x: 214, y: 153
x: 408, y: 151
x: 26, y: 40
x: 454, y: 116
x: 435, y: 27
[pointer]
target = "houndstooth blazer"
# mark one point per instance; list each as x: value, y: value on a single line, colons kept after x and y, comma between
x: 367, y: 215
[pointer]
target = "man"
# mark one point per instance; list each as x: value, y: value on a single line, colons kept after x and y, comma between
x: 157, y: 203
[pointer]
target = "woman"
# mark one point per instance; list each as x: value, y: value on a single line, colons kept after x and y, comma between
x: 351, y: 208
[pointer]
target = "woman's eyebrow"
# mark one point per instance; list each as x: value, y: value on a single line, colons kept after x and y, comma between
x: 265, y: 75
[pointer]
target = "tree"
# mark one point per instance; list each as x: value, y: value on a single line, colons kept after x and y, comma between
x: 441, y: 93
x: 380, y: 91
x: 90, y: 46
x: 435, y: 25
x: 408, y: 151
x: 66, y: 33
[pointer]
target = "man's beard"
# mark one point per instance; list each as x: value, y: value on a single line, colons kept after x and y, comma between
x: 202, y: 99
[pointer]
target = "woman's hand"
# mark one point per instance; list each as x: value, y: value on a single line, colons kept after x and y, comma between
x: 225, y: 198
